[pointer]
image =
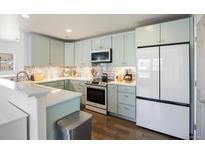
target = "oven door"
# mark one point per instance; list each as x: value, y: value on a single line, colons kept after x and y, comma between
x: 96, y: 96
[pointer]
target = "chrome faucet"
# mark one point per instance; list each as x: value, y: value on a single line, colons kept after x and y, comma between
x: 22, y: 76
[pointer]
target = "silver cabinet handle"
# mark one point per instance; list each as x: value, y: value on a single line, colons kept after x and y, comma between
x: 126, y: 108
x: 125, y: 95
x: 202, y: 101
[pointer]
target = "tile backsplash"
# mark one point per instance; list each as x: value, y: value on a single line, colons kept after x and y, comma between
x: 48, y: 71
x: 55, y: 71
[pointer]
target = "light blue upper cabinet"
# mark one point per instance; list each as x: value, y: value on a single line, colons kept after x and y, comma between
x: 57, y: 52
x: 69, y: 54
x: 175, y: 31
x: 44, y: 51
x: 39, y: 47
x: 129, y: 49
x: 117, y: 50
x: 148, y: 35
x: 171, y: 32
x: 123, y: 49
x: 82, y: 53
x: 78, y: 53
x: 101, y: 43
x: 86, y: 52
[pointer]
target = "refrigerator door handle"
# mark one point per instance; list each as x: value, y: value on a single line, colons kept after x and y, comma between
x: 202, y: 101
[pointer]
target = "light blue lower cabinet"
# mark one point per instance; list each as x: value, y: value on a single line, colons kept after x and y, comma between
x: 112, y: 98
x: 59, y: 111
x: 121, y: 102
x: 127, y: 111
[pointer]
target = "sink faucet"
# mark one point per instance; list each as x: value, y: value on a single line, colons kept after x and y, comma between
x: 22, y: 76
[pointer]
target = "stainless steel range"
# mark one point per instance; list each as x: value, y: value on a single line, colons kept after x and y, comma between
x: 96, y: 96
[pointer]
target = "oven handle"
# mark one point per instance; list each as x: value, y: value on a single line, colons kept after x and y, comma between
x: 95, y: 87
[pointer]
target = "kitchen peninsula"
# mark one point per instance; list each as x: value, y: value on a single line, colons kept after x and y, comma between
x: 43, y: 105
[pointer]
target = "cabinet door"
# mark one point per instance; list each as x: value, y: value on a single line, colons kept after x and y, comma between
x: 174, y: 73
x: 175, y: 31
x: 117, y: 50
x: 112, y: 98
x: 86, y: 53
x: 129, y: 49
x: 148, y: 35
x: 69, y: 54
x: 78, y: 53
x: 39, y: 53
x: 106, y: 42
x: 96, y: 43
x: 57, y: 52
x: 101, y: 43
x: 166, y: 118
x: 148, y: 72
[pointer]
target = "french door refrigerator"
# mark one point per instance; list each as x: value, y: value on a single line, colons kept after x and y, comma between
x: 163, y: 89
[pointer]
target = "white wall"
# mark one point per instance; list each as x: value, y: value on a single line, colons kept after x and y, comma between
x: 18, y: 49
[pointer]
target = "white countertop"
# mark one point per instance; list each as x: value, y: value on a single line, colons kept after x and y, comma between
x: 61, y: 78
x: 9, y: 113
x: 27, y: 88
x: 53, y: 95
x: 56, y: 96
x: 123, y: 83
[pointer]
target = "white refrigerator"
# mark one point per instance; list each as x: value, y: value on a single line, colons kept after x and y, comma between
x: 163, y: 89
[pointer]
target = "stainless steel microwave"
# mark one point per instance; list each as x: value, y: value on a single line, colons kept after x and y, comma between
x: 101, y: 56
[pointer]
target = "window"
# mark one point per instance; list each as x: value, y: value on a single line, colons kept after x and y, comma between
x: 6, y: 62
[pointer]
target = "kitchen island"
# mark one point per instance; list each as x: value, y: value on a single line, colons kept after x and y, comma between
x: 43, y: 105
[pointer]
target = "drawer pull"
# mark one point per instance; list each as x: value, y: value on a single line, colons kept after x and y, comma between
x: 125, y: 96
x: 126, y: 108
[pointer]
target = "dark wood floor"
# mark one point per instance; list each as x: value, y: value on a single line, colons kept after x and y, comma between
x: 106, y: 127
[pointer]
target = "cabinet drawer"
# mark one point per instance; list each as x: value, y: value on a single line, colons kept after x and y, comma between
x: 60, y: 84
x: 126, y: 98
x: 80, y: 83
x: 126, y: 89
x: 126, y: 110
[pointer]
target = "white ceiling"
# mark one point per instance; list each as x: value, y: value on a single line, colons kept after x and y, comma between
x: 85, y: 26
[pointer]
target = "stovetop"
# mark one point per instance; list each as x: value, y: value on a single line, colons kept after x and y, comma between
x: 97, y: 82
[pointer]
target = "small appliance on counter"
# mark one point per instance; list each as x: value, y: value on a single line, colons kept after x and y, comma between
x: 104, y: 77
x: 128, y: 75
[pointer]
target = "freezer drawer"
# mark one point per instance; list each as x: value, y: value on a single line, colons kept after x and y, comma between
x: 166, y: 118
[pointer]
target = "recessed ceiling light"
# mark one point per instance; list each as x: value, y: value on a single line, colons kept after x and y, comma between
x: 25, y: 16
x: 68, y: 30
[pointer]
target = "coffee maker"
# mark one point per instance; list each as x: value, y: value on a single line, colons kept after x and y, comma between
x: 128, y: 75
